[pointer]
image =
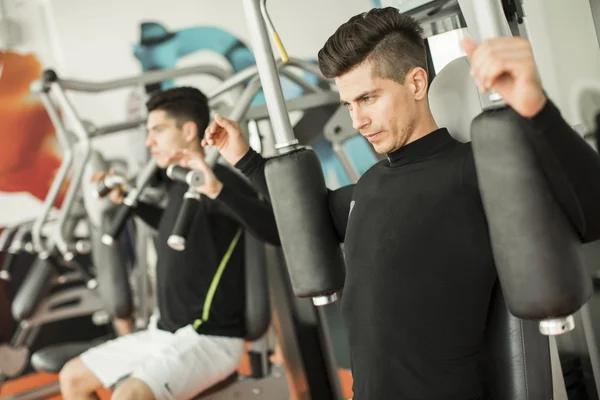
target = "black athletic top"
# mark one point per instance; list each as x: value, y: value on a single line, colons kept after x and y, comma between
x: 183, y: 278
x: 419, y: 262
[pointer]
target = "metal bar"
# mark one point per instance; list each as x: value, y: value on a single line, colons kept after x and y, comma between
x: 328, y: 354
x: 5, y: 235
x: 347, y: 165
x: 243, y: 104
x: 558, y: 381
x: 489, y: 18
x: 234, y: 81
x: 252, y: 71
x: 490, y: 23
x: 303, y: 83
x: 117, y: 127
x: 143, y: 79
x: 592, y: 346
x: 300, y: 103
x: 282, y: 128
x: 285, y: 324
x: 85, y: 148
x: 60, y: 238
x: 17, y: 242
x: 59, y: 127
x: 61, y: 176
x: 305, y: 66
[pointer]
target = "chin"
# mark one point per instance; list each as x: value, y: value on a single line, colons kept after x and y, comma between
x: 161, y: 163
x: 382, y: 148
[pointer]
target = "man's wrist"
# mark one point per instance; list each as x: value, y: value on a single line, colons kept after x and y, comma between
x: 239, y: 156
x: 215, y: 190
x: 535, y: 105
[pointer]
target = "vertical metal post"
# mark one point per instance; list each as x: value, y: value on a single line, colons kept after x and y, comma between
x: 490, y: 23
x: 85, y: 145
x: 269, y: 77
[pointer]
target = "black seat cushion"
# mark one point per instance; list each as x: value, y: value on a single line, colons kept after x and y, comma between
x: 51, y: 359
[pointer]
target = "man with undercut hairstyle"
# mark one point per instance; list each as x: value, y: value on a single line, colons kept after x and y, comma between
x: 419, y: 263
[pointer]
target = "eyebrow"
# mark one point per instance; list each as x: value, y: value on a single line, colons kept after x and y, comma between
x: 154, y: 127
x: 360, y: 96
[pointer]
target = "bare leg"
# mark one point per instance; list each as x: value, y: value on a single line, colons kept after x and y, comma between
x: 77, y: 382
x: 133, y: 389
x: 123, y: 326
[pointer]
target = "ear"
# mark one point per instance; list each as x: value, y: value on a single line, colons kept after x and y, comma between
x: 418, y: 83
x: 190, y: 131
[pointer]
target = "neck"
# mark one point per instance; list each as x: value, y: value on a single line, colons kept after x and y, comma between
x: 196, y: 147
x: 423, y: 127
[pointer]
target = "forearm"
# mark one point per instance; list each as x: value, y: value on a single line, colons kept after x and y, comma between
x: 254, y: 214
x: 150, y: 214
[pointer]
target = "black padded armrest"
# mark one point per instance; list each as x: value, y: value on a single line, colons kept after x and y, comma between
x: 35, y: 286
x: 51, y: 359
x: 112, y: 271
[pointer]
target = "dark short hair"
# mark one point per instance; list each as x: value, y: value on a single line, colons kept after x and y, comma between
x: 391, y: 41
x: 184, y: 104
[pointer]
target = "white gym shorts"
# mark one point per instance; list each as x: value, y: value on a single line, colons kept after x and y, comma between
x: 176, y: 365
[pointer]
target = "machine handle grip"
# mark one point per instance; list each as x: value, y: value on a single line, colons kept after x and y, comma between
x: 6, y: 266
x: 117, y: 224
x: 102, y: 190
x: 109, y: 183
x: 184, y: 221
x: 178, y: 173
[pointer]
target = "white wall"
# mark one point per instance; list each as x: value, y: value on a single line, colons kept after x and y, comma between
x: 563, y: 36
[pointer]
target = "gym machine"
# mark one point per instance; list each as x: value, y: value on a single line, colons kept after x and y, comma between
x: 57, y: 285
x: 79, y: 149
x: 553, y: 316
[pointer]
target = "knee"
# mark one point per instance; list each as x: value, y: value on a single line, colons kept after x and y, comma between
x: 133, y: 389
x: 74, y: 377
x: 69, y: 375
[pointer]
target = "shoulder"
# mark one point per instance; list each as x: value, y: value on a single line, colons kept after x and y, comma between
x: 375, y: 169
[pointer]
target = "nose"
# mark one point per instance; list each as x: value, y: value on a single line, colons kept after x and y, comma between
x: 149, y: 141
x: 359, y: 119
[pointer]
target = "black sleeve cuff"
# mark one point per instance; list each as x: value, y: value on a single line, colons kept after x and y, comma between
x: 250, y: 158
x: 547, y: 117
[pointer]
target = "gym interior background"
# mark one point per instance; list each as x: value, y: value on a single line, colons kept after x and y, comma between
x: 102, y: 40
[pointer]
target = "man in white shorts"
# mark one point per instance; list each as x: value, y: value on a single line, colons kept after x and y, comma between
x: 198, y: 339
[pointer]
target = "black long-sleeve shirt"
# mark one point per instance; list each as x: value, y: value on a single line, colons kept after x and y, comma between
x: 419, y: 263
x: 183, y: 278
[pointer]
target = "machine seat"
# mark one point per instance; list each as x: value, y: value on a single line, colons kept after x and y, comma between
x: 51, y: 359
